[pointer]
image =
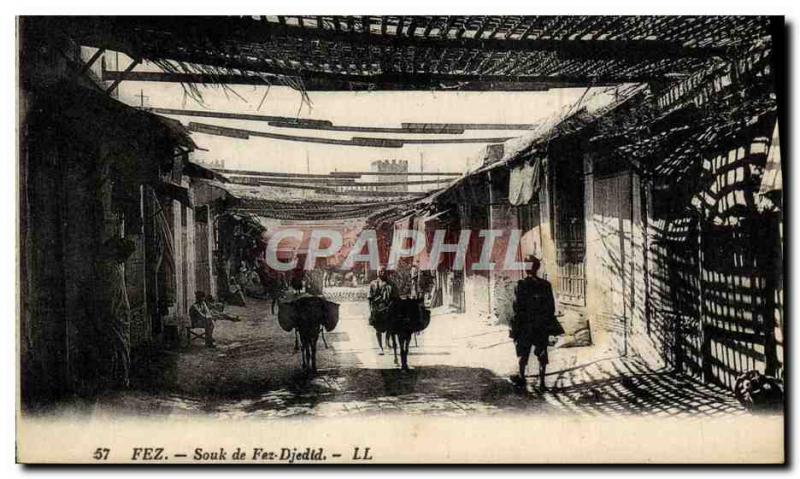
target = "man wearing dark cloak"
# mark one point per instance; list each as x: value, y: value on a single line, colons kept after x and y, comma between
x: 534, y: 321
x: 382, y: 294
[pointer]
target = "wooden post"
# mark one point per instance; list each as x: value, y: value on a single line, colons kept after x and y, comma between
x: 588, y: 261
x: 191, y: 258
x: 143, y: 233
x: 705, y: 341
x: 177, y: 234
x: 646, y: 211
x: 622, y: 274
x: 212, y: 285
x: 770, y: 257
x: 546, y: 226
x: 490, y: 221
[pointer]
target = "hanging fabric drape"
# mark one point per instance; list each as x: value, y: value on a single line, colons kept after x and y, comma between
x: 524, y: 181
x: 772, y: 180
x: 165, y: 235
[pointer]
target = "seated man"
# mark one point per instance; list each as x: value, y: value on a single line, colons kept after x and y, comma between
x: 202, y: 317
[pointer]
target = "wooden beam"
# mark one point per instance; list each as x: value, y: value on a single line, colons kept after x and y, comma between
x: 406, y: 127
x: 224, y: 171
x: 379, y: 194
x: 370, y: 142
x: 121, y: 78
x: 454, y: 64
x: 402, y: 183
x: 463, y: 27
x: 499, y: 64
x: 238, y: 116
x: 437, y: 68
x: 330, y: 182
x: 281, y: 184
x: 497, y: 27
x: 326, y: 181
x: 513, y: 28
x: 444, y: 130
x: 333, y: 81
x: 412, y: 27
x: 429, y: 26
x: 528, y: 29
x: 481, y: 28
x: 379, y: 173
x: 110, y: 34
x: 219, y: 131
x: 476, y: 126
x: 448, y: 24
x: 86, y: 66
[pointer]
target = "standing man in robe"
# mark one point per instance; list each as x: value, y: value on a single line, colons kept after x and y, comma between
x: 382, y: 294
x: 534, y: 321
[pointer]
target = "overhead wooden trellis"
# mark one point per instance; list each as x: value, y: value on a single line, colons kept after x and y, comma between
x: 424, y: 52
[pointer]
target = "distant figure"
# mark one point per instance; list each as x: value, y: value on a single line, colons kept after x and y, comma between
x: 236, y: 289
x: 296, y: 285
x: 414, y: 286
x: 534, y: 321
x: 275, y: 288
x: 201, y: 317
x: 349, y: 279
x: 382, y: 294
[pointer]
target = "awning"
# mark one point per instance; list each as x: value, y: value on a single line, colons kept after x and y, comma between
x: 175, y: 192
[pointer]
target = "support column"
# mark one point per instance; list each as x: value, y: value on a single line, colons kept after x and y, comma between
x: 191, y: 259
x: 548, y: 240
x: 177, y: 236
x: 212, y: 283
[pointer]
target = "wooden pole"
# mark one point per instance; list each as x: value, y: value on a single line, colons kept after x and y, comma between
x: 705, y: 341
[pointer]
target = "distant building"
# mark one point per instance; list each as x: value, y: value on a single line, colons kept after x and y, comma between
x: 214, y: 164
x: 396, y: 171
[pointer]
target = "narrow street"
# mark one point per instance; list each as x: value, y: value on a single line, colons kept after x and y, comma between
x: 255, y: 372
x: 609, y: 187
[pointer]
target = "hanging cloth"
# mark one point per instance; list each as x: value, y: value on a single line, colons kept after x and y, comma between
x: 772, y: 180
x: 523, y: 182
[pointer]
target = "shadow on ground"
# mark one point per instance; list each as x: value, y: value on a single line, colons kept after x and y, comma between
x: 255, y: 372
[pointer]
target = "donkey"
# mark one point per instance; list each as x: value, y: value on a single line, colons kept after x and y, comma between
x: 310, y: 315
x: 406, y: 317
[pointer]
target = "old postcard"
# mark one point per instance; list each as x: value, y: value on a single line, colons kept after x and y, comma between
x: 400, y: 239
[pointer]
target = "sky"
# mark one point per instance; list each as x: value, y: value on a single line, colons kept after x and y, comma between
x: 381, y: 108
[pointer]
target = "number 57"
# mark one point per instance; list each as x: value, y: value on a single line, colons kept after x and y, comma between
x: 101, y: 454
